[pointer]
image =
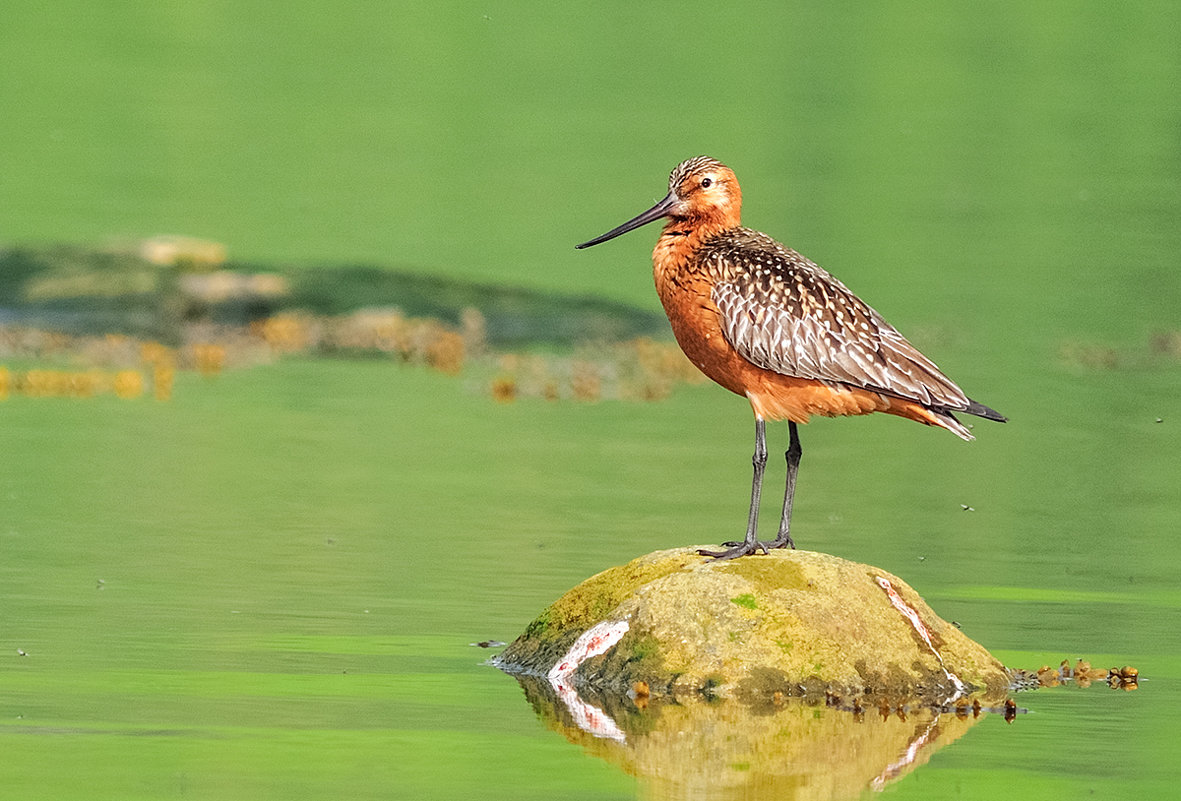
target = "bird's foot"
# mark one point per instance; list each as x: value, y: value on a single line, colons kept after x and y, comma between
x: 783, y: 541
x: 735, y: 550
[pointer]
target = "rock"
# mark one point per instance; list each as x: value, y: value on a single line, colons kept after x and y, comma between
x: 788, y: 623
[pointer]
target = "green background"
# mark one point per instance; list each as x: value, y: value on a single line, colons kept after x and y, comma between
x: 293, y: 558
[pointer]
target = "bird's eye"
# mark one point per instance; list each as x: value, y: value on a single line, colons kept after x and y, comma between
x: 706, y: 183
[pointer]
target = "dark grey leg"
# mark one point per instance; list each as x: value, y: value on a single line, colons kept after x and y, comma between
x: 784, y: 539
x: 751, y: 544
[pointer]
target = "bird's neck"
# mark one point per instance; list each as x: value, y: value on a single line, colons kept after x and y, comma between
x: 682, y: 237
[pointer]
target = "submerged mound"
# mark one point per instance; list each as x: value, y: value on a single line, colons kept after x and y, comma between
x: 791, y: 622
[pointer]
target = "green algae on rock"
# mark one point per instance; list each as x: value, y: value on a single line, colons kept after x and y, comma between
x: 790, y: 622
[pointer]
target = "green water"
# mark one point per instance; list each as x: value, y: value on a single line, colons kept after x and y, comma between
x: 266, y: 587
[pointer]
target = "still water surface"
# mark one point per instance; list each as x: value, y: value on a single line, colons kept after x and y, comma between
x: 245, y: 592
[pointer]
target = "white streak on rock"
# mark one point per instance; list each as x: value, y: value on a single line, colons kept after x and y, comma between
x: 598, y: 639
x: 910, y: 614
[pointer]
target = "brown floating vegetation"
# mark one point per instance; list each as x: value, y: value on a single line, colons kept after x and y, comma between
x: 1161, y: 347
x: 639, y: 369
x: 1080, y: 674
x: 170, y: 304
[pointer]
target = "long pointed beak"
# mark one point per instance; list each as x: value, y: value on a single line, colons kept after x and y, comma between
x: 661, y: 209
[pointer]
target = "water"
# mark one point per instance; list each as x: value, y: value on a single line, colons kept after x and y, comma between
x: 245, y: 592
x: 267, y: 586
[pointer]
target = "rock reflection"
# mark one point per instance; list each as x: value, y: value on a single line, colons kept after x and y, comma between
x: 783, y: 748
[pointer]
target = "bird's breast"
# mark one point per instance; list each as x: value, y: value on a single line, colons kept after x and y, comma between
x: 685, y: 289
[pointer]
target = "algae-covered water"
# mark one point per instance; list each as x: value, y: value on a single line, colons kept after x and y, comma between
x: 267, y: 585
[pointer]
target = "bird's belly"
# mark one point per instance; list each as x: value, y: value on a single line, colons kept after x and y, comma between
x: 696, y: 324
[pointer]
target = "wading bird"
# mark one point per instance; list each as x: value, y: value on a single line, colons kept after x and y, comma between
x: 767, y: 324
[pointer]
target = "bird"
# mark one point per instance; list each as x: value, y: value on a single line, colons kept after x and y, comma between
x: 766, y: 323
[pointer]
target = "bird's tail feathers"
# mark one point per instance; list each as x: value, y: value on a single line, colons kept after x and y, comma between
x: 980, y: 410
x: 945, y: 419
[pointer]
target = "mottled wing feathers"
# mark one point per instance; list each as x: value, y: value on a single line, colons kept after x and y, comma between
x: 784, y: 313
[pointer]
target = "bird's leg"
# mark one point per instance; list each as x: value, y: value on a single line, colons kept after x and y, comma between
x: 793, y: 466
x: 751, y: 544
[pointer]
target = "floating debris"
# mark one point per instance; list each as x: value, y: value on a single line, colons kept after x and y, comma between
x: 484, y: 643
x: 1081, y: 674
x: 1125, y: 678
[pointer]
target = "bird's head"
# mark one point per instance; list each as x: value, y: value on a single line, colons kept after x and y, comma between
x: 701, y: 191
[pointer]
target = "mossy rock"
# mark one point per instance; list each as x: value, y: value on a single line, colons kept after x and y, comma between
x: 790, y: 622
